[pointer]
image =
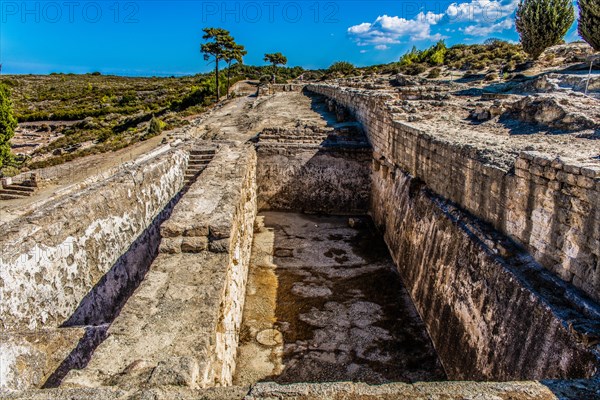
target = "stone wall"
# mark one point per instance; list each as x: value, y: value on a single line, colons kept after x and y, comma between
x: 52, y: 258
x: 265, y: 90
x: 491, y: 313
x: 181, y: 326
x: 551, y: 206
x: 313, y: 179
x: 240, y: 247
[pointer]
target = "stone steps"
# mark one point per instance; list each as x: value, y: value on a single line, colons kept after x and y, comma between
x: 16, y: 191
x: 9, y: 197
x: 199, y: 159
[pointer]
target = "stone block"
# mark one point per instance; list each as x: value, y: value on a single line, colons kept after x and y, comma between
x: 572, y: 169
x: 219, y: 246
x: 170, y: 245
x: 176, y: 371
x: 197, y: 230
x: 219, y: 230
x: 194, y: 244
x: 591, y: 171
x: 585, y: 182
x: 171, y: 229
x: 566, y: 178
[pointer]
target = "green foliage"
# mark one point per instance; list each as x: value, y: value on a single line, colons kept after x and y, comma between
x: 342, y: 67
x: 434, y: 73
x: 411, y: 57
x: 436, y: 54
x: 495, y: 53
x: 8, y: 123
x: 589, y: 22
x: 543, y: 23
x: 220, y: 45
x: 154, y: 128
x: 128, y: 98
x: 256, y: 72
x: 275, y: 59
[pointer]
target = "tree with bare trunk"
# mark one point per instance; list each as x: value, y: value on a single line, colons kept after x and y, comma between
x: 218, y: 41
x: 275, y: 59
x: 235, y: 52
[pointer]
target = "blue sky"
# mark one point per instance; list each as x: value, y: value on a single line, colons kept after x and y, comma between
x: 157, y: 37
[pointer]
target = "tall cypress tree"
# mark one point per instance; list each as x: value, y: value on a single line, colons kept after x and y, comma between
x: 543, y: 23
x: 589, y: 22
x: 8, y: 123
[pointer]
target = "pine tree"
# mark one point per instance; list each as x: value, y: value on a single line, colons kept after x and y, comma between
x: 589, y: 22
x: 543, y: 23
x: 235, y: 52
x: 218, y: 41
x: 8, y: 123
x: 275, y: 59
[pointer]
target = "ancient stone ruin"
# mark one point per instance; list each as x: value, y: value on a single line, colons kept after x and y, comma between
x: 319, y: 241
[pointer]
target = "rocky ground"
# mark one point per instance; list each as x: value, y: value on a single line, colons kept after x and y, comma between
x: 547, y: 112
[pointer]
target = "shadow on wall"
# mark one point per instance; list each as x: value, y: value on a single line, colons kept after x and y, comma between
x: 104, y: 302
x: 314, y: 181
x: 574, y: 389
x: 315, y: 169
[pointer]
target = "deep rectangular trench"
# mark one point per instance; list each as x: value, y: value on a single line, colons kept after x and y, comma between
x: 490, y: 310
x: 324, y: 303
x: 430, y: 274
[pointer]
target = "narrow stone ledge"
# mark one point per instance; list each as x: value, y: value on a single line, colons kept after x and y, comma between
x: 30, y: 358
x: 527, y: 390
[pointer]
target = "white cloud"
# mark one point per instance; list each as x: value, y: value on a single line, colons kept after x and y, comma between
x: 358, y: 29
x: 390, y: 29
x: 480, y: 11
x: 476, y: 18
x: 485, y: 30
x: 485, y: 16
x: 382, y: 47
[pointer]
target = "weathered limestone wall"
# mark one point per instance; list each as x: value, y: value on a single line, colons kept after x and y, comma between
x: 313, y: 179
x: 52, y: 258
x: 240, y: 248
x: 551, y: 206
x: 486, y: 320
x: 265, y: 90
x: 181, y: 325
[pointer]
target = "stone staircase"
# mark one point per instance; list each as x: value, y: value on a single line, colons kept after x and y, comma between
x: 199, y: 159
x: 11, y: 191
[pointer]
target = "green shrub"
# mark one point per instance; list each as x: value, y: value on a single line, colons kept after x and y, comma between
x: 411, y: 57
x: 434, y: 73
x: 436, y: 54
x: 8, y: 123
x: 543, y: 23
x: 589, y: 22
x: 342, y: 67
x: 415, y: 69
x: 154, y: 128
